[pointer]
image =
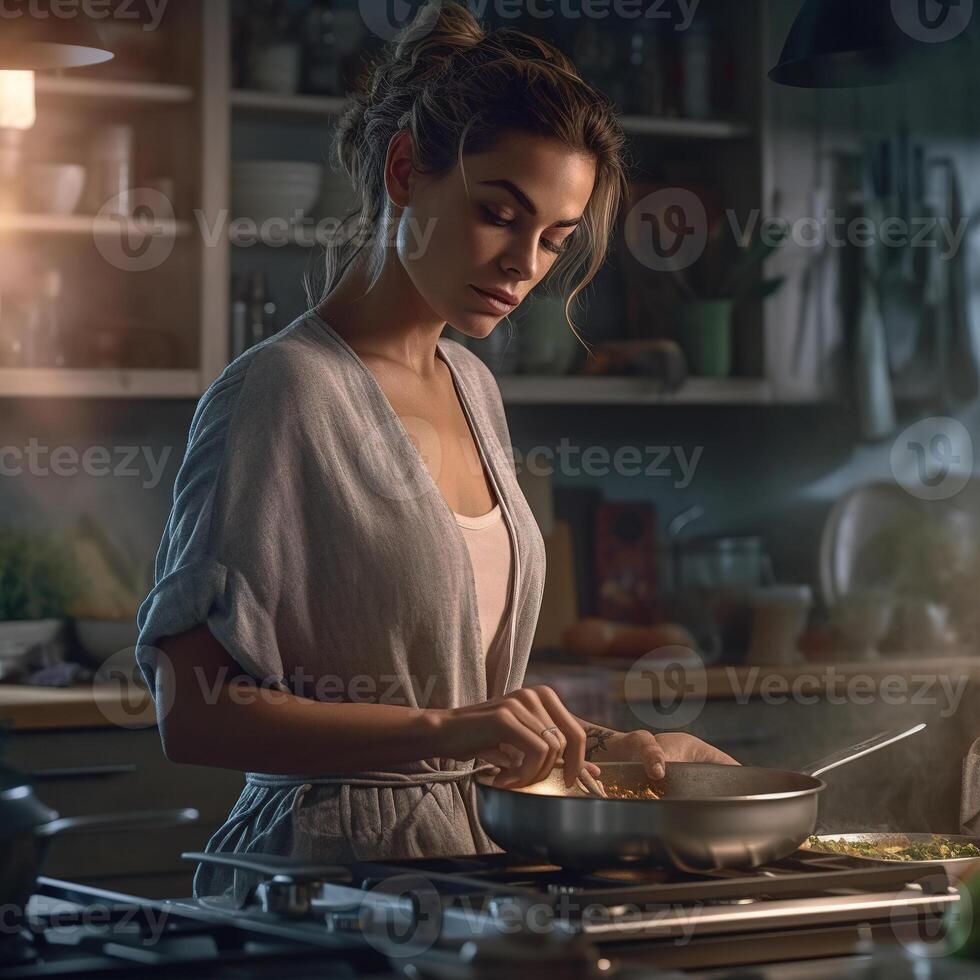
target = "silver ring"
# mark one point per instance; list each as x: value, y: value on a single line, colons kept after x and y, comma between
x: 554, y: 728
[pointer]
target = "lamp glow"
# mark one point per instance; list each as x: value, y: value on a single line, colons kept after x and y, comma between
x: 18, y: 109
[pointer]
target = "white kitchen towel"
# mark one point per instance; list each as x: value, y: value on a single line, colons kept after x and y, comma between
x: 970, y: 795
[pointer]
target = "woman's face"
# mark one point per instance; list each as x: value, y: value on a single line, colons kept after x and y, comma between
x: 525, y: 198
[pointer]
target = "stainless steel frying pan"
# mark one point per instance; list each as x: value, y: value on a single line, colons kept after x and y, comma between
x: 709, y: 816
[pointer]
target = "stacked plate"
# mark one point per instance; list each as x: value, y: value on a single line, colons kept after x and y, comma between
x: 263, y: 189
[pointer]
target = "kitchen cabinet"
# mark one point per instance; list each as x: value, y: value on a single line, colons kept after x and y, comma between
x: 113, y: 770
x: 137, y: 301
x: 196, y: 109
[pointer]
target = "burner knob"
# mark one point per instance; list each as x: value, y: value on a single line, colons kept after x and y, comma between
x: 285, y: 896
x: 349, y: 920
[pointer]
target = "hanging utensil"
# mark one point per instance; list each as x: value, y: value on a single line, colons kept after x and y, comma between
x: 872, y: 381
x: 901, y: 285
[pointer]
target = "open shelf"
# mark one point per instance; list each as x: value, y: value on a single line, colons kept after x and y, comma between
x: 103, y: 90
x: 315, y: 106
x: 318, y: 107
x: 87, y: 224
x: 521, y: 389
x: 706, y: 129
x: 98, y: 383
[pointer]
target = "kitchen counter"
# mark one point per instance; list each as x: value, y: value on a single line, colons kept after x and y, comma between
x: 808, y: 680
x: 26, y: 708
x: 107, y: 705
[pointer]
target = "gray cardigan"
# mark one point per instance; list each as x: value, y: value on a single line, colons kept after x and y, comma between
x: 308, y: 533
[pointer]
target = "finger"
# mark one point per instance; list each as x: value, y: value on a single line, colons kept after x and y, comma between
x: 532, y: 702
x: 520, y: 728
x: 512, y: 752
x: 502, y: 760
x: 652, y: 755
x: 573, y: 732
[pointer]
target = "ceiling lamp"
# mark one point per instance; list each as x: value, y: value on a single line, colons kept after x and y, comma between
x: 35, y: 38
x: 848, y: 43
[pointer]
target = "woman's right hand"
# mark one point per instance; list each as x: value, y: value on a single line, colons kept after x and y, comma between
x: 511, y: 732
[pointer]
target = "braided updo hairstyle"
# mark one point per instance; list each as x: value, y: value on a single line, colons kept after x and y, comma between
x: 456, y: 88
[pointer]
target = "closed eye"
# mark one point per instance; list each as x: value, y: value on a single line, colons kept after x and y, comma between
x: 555, y: 247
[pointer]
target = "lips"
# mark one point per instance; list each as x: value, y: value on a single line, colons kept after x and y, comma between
x: 497, y: 297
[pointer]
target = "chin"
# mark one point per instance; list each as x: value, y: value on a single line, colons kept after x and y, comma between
x: 477, y: 328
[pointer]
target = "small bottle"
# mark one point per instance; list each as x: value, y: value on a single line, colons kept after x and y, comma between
x: 37, y: 327
x: 697, y: 60
x: 239, y: 321
x: 270, y: 316
x: 11, y: 339
x: 646, y: 77
x: 321, y: 51
x: 51, y: 320
x: 256, y: 308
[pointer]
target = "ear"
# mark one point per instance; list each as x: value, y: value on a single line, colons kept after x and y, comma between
x: 398, y: 168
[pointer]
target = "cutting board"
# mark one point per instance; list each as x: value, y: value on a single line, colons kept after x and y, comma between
x: 559, y: 605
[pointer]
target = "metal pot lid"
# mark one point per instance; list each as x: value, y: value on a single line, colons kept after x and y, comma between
x: 20, y: 809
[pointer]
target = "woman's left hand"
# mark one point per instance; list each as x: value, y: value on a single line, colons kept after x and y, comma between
x: 656, y: 750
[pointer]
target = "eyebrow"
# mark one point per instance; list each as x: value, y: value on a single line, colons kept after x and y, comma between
x: 526, y: 202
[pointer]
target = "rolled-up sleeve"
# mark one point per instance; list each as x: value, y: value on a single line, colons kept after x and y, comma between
x: 236, y: 523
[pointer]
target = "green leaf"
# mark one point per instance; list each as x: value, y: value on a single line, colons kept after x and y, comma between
x: 38, y: 575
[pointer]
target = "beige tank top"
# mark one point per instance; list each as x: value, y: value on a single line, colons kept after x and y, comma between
x: 490, y: 552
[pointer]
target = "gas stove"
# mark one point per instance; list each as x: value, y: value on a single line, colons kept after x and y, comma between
x: 492, y: 916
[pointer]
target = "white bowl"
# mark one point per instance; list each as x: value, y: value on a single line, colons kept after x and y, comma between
x: 102, y: 638
x: 54, y: 188
x: 20, y: 635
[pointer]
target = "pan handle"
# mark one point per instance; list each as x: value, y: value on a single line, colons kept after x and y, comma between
x: 273, y: 865
x: 108, y: 822
x: 864, y: 748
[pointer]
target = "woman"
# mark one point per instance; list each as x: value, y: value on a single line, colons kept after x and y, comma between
x: 349, y: 581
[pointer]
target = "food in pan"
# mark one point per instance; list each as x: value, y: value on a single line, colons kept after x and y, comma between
x: 621, y: 793
x: 898, y: 848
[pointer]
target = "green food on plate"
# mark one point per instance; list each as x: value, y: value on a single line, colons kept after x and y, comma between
x: 898, y: 849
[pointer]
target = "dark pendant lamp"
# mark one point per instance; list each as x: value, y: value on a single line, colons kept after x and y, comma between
x: 35, y: 38
x: 850, y: 43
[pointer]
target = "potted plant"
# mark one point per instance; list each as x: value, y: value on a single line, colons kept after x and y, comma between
x: 104, y: 612
x: 728, y: 273
x: 38, y: 580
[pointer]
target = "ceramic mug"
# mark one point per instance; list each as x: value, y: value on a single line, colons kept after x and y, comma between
x: 548, y: 345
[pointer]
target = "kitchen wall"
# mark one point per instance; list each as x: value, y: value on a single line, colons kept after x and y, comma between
x: 772, y: 470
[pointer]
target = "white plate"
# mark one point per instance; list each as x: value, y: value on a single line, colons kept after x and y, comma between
x: 846, y: 565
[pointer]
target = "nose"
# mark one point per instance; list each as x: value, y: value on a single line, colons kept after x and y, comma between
x: 520, y: 262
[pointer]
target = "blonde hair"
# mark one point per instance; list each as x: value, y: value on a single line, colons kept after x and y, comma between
x: 455, y: 87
